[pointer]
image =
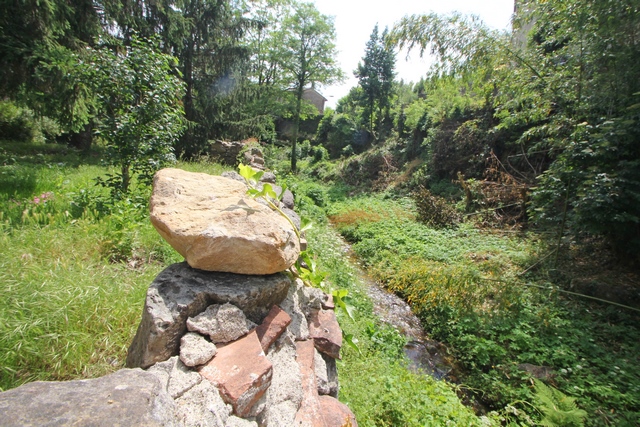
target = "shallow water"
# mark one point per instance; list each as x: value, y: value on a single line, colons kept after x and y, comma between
x: 425, y: 355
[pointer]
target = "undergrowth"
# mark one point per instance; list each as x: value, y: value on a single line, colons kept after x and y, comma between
x: 374, y: 380
x: 506, y: 328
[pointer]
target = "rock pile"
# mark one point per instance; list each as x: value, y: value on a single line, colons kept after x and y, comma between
x: 266, y: 344
x: 229, y: 152
x: 226, y: 339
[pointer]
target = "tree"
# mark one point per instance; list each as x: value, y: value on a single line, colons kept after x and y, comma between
x: 307, y: 56
x: 375, y: 76
x: 141, y: 115
x: 564, y: 104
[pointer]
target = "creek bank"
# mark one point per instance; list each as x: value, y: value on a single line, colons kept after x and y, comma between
x: 425, y: 355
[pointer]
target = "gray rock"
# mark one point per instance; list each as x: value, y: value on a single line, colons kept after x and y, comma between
x: 332, y: 375
x: 284, y: 396
x: 226, y: 151
x: 293, y: 215
x: 180, y: 292
x: 175, y: 376
x: 269, y: 177
x: 233, y: 175
x: 195, y: 349
x: 202, y: 406
x: 287, y: 199
x: 322, y: 377
x: 313, y: 299
x: 234, y: 421
x: 223, y: 323
x: 293, y: 305
x: 131, y: 397
x: 282, y: 414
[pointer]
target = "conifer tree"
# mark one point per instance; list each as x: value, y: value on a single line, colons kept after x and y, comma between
x: 375, y: 76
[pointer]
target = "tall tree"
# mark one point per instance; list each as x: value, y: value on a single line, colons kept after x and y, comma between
x: 375, y: 76
x: 307, y: 56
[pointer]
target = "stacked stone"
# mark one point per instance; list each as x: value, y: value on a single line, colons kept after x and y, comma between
x: 229, y: 319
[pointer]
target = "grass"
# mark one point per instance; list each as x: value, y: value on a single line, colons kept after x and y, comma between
x: 374, y: 381
x: 73, y: 273
x: 467, y: 286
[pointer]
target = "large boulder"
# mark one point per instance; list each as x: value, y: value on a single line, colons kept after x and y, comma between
x: 180, y: 292
x: 216, y: 226
x: 129, y: 397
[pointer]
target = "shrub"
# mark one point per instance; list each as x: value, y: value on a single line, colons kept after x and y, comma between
x: 21, y: 124
x: 319, y: 154
x: 434, y: 211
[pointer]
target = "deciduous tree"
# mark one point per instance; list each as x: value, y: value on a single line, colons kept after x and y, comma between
x: 307, y: 56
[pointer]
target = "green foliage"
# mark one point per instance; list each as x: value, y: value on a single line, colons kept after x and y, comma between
x: 375, y: 76
x: 73, y: 283
x: 337, y: 132
x: 307, y: 56
x: 374, y: 380
x: 21, y: 124
x: 142, y: 116
x: 467, y: 288
x: 559, y: 409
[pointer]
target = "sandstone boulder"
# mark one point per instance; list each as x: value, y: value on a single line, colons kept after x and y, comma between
x: 180, y: 292
x: 215, y: 226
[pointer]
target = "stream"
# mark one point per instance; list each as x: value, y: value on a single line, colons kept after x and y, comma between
x: 425, y: 355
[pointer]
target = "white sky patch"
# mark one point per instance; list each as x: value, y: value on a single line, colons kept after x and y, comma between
x: 355, y: 19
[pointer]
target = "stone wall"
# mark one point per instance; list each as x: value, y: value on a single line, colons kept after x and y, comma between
x: 231, y: 343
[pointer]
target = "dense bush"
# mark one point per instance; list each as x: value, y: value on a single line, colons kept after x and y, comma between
x: 434, y: 211
x: 21, y: 124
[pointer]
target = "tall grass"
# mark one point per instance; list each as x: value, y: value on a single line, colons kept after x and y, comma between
x: 73, y: 274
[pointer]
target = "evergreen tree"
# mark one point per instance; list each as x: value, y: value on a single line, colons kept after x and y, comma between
x: 375, y: 76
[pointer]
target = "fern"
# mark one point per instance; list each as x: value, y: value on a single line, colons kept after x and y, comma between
x: 559, y: 410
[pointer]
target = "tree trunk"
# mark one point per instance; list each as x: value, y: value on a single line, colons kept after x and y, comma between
x: 296, y: 127
x: 126, y: 178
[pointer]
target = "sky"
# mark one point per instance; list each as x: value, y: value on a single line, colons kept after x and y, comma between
x: 355, y: 19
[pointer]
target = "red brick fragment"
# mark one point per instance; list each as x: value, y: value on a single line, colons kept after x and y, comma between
x: 241, y: 371
x: 309, y: 413
x: 272, y: 327
x: 335, y: 413
x: 325, y: 332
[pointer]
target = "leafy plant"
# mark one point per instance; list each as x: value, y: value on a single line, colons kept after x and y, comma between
x: 142, y: 116
x: 559, y: 409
